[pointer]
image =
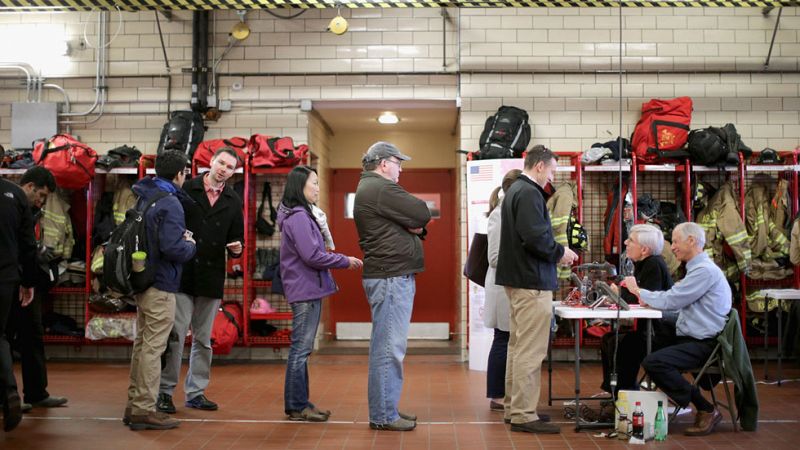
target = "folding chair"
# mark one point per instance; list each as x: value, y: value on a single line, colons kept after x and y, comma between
x: 714, y: 365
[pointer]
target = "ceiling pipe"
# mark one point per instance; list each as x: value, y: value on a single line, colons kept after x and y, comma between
x: 99, y: 79
x: 28, y: 70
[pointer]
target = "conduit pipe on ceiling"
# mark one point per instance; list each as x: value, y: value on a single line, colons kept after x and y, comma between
x: 31, y: 80
x: 99, y: 79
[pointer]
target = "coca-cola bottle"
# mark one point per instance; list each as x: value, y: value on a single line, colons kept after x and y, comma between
x: 638, y: 422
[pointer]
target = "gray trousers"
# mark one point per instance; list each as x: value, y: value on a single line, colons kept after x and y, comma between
x: 199, y: 313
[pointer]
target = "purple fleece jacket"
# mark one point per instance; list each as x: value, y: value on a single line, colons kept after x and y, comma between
x: 305, y: 263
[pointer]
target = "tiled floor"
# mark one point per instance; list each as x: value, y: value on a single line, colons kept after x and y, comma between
x: 447, y: 397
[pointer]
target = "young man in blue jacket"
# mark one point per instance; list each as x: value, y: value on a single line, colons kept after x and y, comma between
x: 156, y: 305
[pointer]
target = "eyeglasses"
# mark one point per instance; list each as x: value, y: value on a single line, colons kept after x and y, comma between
x: 399, y: 163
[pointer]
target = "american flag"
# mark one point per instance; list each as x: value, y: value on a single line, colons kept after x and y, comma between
x: 480, y: 173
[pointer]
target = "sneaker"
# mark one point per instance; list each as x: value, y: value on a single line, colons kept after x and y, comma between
x: 496, y: 406
x: 50, y: 402
x: 536, y: 426
x: 165, y: 405
x: 153, y: 420
x: 12, y: 411
x: 400, y: 424
x: 201, y: 402
x: 308, y: 415
x: 26, y: 408
x: 704, y: 423
x: 126, y: 416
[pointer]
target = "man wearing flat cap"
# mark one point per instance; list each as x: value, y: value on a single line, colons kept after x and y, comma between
x: 390, y: 224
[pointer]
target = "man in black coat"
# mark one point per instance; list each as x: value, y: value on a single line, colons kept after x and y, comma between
x: 214, y: 215
x: 17, y: 266
x: 25, y: 330
x: 526, y: 267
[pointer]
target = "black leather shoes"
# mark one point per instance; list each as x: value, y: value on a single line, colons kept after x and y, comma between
x: 201, y: 402
x: 536, y: 426
x: 12, y: 411
x: 164, y: 404
x: 50, y: 402
x: 542, y: 417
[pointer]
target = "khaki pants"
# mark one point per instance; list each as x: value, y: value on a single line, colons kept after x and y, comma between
x: 155, y: 315
x: 531, y: 313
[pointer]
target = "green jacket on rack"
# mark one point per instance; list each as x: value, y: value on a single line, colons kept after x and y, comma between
x: 723, y: 225
x: 560, y: 205
x: 737, y: 367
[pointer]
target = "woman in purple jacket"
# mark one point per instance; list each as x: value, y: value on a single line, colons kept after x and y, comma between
x: 305, y: 271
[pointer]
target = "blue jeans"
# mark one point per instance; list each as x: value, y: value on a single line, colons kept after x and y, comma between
x: 390, y: 300
x: 305, y: 320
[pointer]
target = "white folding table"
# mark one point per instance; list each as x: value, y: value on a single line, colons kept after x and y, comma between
x: 780, y: 295
x: 577, y: 314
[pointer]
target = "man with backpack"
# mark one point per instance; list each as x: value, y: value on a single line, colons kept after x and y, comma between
x: 169, y: 246
x: 213, y: 212
x: 25, y: 324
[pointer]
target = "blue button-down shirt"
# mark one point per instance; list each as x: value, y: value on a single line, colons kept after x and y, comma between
x: 702, y: 298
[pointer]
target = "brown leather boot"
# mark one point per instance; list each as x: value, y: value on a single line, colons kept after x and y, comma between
x: 704, y: 423
x: 153, y: 420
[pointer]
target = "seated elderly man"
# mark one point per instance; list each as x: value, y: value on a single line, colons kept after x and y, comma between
x: 643, y: 247
x: 703, y: 300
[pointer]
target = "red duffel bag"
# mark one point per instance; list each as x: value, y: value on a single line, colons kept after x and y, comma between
x: 71, y: 161
x: 205, y: 151
x: 227, y: 328
x: 270, y: 151
x: 664, y: 127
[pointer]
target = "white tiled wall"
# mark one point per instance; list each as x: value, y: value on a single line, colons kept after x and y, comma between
x: 556, y: 63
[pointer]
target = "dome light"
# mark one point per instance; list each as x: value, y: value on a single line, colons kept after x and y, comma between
x: 388, y: 118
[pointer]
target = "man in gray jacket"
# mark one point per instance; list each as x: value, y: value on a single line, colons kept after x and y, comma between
x: 390, y: 224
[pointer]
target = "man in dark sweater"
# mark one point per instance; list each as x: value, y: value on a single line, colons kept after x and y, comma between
x: 643, y: 246
x: 526, y: 267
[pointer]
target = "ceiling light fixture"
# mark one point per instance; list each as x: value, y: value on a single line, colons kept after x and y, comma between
x: 338, y: 25
x: 388, y: 118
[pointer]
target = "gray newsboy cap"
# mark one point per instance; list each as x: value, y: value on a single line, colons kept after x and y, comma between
x: 382, y: 150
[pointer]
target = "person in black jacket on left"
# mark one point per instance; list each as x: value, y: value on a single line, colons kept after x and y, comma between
x: 25, y: 331
x: 213, y: 213
x: 17, y: 267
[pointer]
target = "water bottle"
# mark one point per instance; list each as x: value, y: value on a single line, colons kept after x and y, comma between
x: 586, y: 284
x: 661, y: 423
x: 627, y: 267
x: 638, y: 422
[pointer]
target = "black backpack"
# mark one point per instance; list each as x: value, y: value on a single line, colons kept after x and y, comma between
x: 183, y: 132
x: 506, y: 134
x: 706, y: 147
x: 129, y: 237
x: 716, y: 146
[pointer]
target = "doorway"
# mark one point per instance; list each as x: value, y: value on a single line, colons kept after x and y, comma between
x: 427, y: 131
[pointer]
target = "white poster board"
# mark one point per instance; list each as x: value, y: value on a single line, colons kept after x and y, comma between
x: 482, y: 178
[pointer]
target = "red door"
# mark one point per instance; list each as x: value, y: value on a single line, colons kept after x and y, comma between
x: 435, y: 300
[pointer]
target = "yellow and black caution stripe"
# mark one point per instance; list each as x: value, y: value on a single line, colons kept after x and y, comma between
x: 139, y: 5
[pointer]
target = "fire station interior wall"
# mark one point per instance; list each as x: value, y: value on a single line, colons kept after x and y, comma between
x: 553, y: 62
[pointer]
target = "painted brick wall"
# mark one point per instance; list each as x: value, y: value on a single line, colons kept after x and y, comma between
x: 396, y: 53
